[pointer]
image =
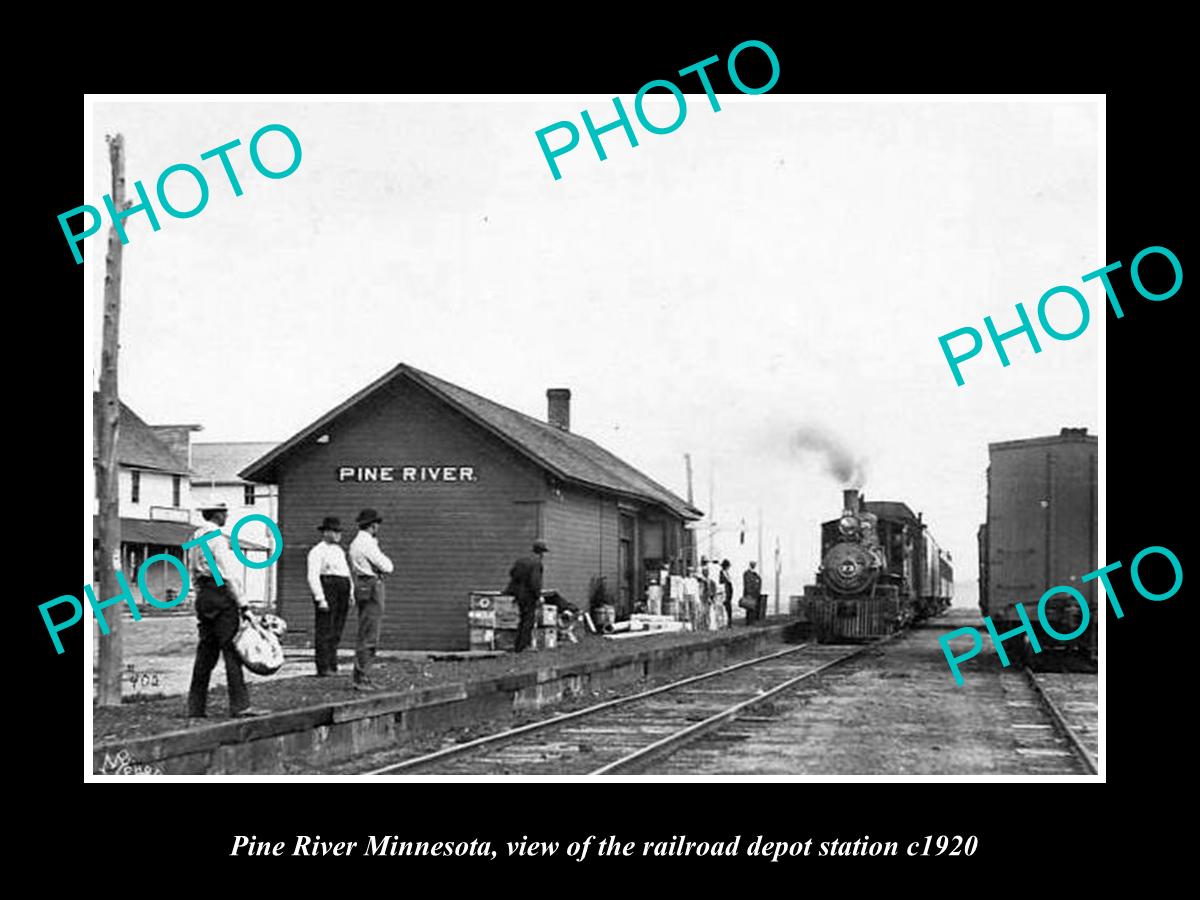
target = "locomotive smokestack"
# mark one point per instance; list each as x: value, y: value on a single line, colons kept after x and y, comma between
x: 850, y: 500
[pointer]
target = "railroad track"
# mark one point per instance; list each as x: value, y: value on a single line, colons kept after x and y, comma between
x: 627, y: 734
x: 1059, y: 713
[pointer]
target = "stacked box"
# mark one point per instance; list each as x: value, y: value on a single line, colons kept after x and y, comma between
x: 547, y: 616
x: 483, y: 639
x: 506, y: 639
x: 508, y: 613
x: 654, y: 599
x: 546, y: 638
x: 481, y: 619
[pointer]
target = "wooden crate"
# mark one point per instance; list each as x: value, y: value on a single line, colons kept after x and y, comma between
x: 508, y: 614
x: 654, y: 599
x: 547, y: 615
x: 482, y: 599
x: 545, y: 638
x: 481, y: 618
x: 505, y: 639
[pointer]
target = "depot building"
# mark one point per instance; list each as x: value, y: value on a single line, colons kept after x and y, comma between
x: 465, y: 486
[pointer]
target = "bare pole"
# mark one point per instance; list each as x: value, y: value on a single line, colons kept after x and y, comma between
x: 760, y: 566
x: 691, y: 499
x: 778, y: 565
x: 108, y: 481
x: 712, y: 521
x: 687, y: 462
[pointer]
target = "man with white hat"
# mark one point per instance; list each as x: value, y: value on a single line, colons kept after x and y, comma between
x: 219, y: 608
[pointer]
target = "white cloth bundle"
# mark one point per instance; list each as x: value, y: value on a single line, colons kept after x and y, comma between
x: 258, y: 645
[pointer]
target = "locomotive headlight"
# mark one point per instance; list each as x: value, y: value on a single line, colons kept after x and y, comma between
x: 848, y: 523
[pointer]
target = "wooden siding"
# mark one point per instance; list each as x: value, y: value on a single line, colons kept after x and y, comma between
x: 445, y: 539
x: 581, y: 529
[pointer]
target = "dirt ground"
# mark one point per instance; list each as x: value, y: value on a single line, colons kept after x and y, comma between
x: 166, y: 645
x: 896, y: 710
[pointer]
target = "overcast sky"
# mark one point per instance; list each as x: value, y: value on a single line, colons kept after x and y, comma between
x: 774, y: 266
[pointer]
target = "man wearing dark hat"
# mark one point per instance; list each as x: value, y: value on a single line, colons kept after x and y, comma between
x: 368, y: 565
x: 525, y: 586
x: 219, y: 609
x: 726, y: 592
x: 752, y: 593
x: 329, y: 581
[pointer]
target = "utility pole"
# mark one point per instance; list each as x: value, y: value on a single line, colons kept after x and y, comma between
x: 687, y: 462
x: 107, y: 477
x: 760, y: 567
x: 712, y: 515
x: 778, y: 566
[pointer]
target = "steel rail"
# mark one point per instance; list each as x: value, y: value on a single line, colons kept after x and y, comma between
x: 512, y: 733
x: 1060, y: 722
x: 671, y: 743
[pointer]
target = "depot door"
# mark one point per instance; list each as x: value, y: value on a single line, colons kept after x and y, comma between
x: 625, y: 569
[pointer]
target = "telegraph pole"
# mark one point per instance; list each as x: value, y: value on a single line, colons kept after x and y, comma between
x: 712, y: 521
x: 778, y: 566
x: 760, y: 567
x: 107, y: 479
x: 687, y: 462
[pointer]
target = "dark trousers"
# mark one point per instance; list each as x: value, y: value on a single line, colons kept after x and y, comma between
x: 728, y: 613
x: 368, y: 599
x: 528, y: 610
x: 756, y: 614
x: 218, y: 618
x: 328, y: 623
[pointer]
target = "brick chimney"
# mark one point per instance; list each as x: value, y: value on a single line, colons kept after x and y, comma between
x: 559, y: 408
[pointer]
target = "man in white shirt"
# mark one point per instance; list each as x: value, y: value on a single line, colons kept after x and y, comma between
x: 368, y: 565
x: 329, y: 581
x: 219, y: 610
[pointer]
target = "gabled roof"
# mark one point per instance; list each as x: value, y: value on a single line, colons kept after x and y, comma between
x: 220, y: 463
x: 570, y: 456
x: 137, y: 444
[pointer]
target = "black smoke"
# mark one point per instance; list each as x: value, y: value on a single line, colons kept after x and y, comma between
x: 811, y: 441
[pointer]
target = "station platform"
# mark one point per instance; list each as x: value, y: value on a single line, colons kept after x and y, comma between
x: 324, y: 719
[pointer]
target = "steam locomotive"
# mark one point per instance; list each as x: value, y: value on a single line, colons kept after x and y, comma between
x: 880, y: 570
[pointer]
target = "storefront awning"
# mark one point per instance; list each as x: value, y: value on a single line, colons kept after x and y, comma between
x: 162, y: 533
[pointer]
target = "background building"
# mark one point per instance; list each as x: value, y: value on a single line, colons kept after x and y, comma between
x: 465, y: 485
x: 155, y: 499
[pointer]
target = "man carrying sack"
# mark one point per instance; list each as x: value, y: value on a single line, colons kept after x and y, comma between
x: 219, y: 610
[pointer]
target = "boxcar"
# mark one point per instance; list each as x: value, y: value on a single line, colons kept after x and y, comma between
x: 1040, y: 532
